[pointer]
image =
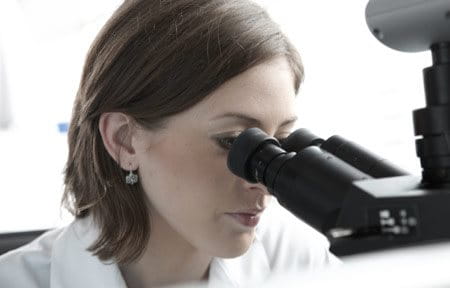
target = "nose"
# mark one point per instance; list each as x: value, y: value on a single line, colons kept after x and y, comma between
x: 255, y: 187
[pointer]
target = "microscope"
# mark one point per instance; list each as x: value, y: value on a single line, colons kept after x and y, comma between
x: 358, y: 200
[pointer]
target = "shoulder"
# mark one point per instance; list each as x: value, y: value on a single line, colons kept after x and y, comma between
x: 29, y: 265
x: 60, y: 258
x: 290, y: 243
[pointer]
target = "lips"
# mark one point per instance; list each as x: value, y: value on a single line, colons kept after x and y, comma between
x: 247, y: 218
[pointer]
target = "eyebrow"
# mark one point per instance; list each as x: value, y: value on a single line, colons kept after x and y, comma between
x: 252, y: 121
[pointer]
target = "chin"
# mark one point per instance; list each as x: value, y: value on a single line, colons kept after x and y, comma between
x: 233, y: 248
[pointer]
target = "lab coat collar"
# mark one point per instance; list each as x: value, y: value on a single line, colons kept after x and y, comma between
x: 72, y: 266
x: 247, y: 270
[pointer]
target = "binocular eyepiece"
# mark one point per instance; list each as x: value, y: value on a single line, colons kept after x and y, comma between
x: 308, y: 175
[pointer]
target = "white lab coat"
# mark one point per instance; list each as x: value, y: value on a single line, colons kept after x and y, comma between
x: 58, y: 259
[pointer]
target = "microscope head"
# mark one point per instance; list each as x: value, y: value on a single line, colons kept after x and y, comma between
x: 409, y: 25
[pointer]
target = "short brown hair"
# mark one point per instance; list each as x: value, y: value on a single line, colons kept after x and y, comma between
x: 154, y: 59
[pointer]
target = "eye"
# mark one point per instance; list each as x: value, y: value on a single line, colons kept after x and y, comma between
x: 225, y: 142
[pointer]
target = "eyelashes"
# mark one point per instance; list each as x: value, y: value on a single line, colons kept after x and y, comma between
x: 226, y: 142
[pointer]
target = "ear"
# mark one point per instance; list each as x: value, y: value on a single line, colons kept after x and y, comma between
x: 116, y: 130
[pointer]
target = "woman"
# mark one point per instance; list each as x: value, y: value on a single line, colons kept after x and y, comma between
x: 166, y: 87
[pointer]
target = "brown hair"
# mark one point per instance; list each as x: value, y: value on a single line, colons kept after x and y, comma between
x: 154, y: 59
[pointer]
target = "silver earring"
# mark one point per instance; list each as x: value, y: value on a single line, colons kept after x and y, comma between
x: 131, y: 178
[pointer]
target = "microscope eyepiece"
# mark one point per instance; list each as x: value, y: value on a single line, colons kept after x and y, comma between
x: 311, y: 183
x: 251, y: 152
x: 300, y: 139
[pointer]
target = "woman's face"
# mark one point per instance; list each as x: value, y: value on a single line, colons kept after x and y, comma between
x: 183, y: 169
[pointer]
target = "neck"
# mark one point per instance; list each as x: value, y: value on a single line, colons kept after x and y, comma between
x: 168, y: 259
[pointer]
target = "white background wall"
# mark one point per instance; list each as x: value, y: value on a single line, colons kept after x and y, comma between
x: 355, y: 87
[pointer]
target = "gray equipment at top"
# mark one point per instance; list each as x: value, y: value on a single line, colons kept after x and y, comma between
x: 409, y: 25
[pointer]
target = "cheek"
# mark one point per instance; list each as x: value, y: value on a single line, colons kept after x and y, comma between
x: 186, y: 175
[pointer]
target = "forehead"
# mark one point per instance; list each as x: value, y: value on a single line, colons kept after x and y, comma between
x: 265, y: 91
